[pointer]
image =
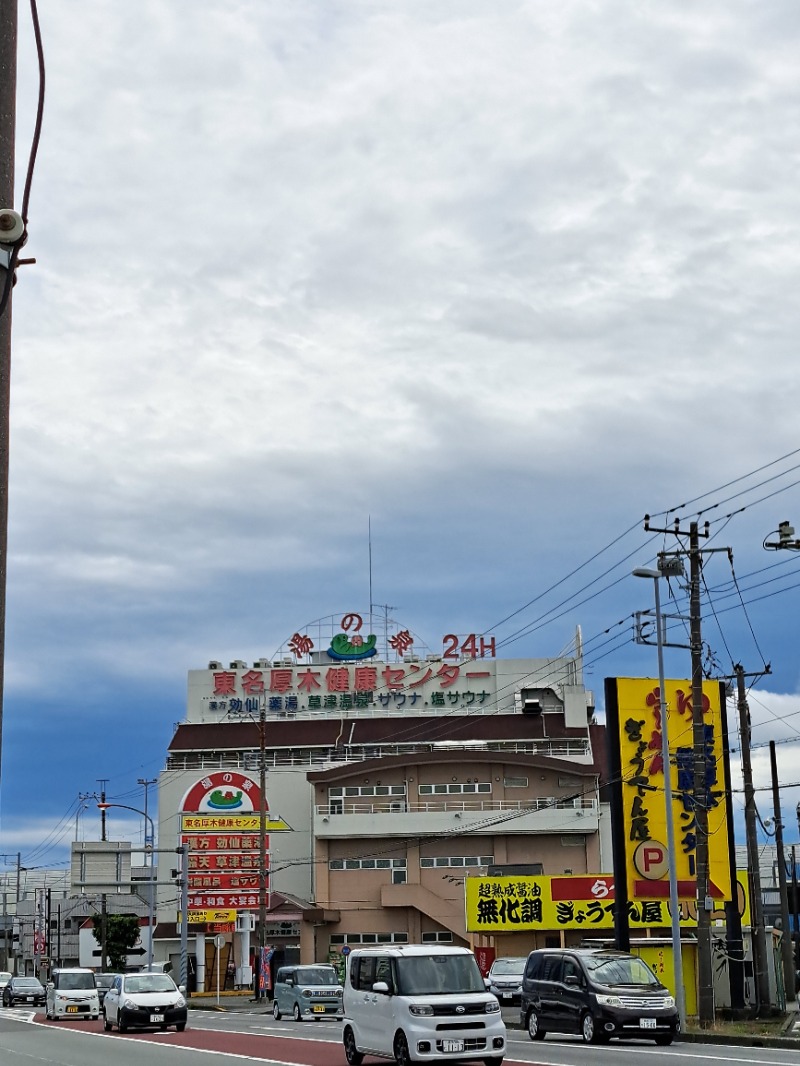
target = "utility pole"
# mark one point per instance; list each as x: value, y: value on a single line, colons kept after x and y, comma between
x: 262, y: 843
x: 705, y: 996
x: 700, y: 789
x: 8, y: 122
x: 786, y: 938
x: 760, y: 957
x: 102, y: 782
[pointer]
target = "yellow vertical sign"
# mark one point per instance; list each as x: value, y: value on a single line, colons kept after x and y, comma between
x: 642, y: 787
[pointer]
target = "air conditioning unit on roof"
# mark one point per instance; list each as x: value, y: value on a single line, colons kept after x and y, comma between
x: 261, y: 664
x: 238, y: 664
x: 214, y: 665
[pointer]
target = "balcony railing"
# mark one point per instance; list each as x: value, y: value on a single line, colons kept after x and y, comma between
x: 308, y: 758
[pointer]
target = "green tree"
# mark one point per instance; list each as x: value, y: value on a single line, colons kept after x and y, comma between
x: 122, y: 932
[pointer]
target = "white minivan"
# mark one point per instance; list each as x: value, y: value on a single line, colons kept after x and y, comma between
x: 420, y: 1003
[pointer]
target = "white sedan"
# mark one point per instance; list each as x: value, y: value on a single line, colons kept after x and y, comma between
x: 144, y: 1001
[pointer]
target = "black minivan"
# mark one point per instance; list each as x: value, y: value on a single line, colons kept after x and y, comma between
x: 596, y: 992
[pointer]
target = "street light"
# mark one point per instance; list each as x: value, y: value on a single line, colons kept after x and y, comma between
x: 151, y: 902
x: 674, y: 904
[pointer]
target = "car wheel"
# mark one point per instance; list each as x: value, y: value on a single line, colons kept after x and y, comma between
x: 351, y: 1052
x: 121, y: 1025
x: 401, y: 1052
x: 663, y: 1039
x: 535, y: 1031
x: 298, y: 1017
x: 589, y: 1031
x: 276, y: 1014
x: 180, y: 1026
x: 106, y: 1023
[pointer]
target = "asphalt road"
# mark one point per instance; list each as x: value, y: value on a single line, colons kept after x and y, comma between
x: 28, y: 1040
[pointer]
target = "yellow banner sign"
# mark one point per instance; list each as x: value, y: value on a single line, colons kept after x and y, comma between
x: 642, y: 786
x: 514, y: 904
x: 203, y: 917
x: 237, y: 823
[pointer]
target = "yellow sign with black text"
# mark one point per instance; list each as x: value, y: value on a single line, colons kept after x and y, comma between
x: 515, y: 904
x: 642, y: 786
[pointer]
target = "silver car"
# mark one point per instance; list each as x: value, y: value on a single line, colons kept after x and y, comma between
x: 307, y: 993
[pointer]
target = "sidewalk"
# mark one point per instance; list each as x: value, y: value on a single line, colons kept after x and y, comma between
x: 788, y: 1035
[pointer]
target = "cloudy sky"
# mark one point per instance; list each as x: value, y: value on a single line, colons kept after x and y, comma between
x: 495, y: 279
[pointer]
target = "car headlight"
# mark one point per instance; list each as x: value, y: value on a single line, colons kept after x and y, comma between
x: 609, y: 1001
x: 492, y: 1007
x: 307, y: 993
x: 422, y: 1010
x: 339, y: 991
x: 669, y: 1001
x: 180, y: 1002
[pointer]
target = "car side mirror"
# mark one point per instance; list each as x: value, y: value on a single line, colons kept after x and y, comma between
x: 380, y: 986
x: 182, y: 989
x: 571, y: 979
x: 487, y: 983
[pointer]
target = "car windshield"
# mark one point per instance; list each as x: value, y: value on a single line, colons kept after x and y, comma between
x: 149, y: 982
x: 76, y: 981
x: 323, y: 975
x: 26, y: 982
x: 104, y: 980
x: 619, y: 971
x: 504, y: 966
x: 438, y: 975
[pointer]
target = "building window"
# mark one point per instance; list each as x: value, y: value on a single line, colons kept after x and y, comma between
x: 395, y: 865
x: 366, y: 790
x: 515, y: 782
x: 456, y: 788
x: 443, y: 937
x: 457, y: 860
x: 574, y: 840
x: 369, y: 938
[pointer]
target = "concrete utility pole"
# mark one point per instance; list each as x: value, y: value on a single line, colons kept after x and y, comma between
x: 705, y: 967
x: 786, y: 939
x: 262, y: 842
x: 760, y: 957
x: 8, y: 122
x: 705, y: 991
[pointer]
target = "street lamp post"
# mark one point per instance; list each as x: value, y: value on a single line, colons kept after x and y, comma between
x: 151, y: 902
x: 674, y: 904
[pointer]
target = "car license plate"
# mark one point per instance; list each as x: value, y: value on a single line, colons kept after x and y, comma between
x: 156, y: 1018
x: 647, y: 1023
x: 452, y: 1045
x: 506, y: 995
x: 318, y: 1008
x: 72, y: 1010
x: 29, y: 999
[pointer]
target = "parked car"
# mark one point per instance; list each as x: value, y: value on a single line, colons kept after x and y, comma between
x: 307, y: 993
x: 104, y: 981
x: 505, y: 978
x: 23, y: 990
x: 144, y: 1001
x: 72, y: 993
x: 598, y: 993
x: 5, y: 977
x: 420, y: 1003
